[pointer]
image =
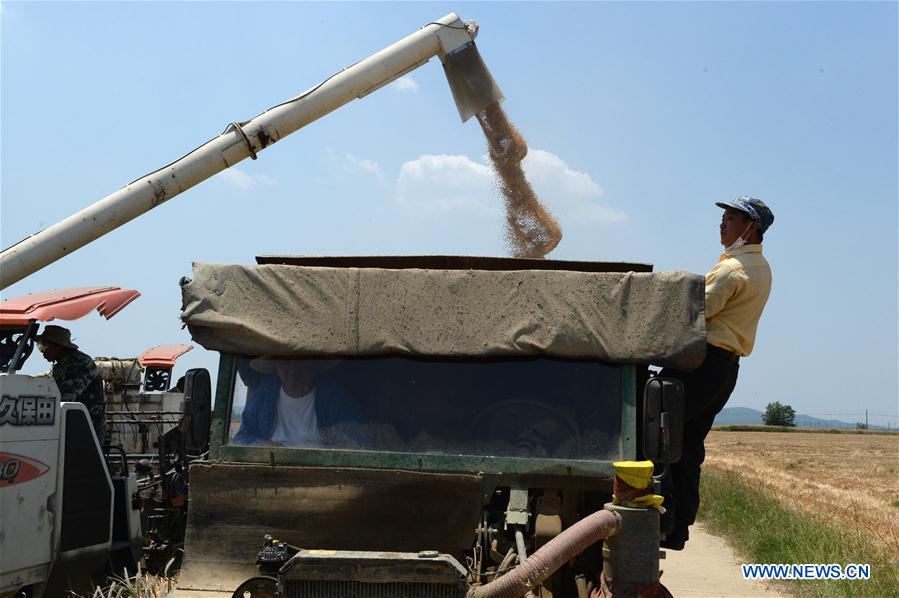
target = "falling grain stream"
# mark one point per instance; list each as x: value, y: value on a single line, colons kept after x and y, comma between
x: 531, y: 231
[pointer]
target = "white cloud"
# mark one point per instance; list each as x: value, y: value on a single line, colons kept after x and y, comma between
x: 243, y: 180
x: 570, y: 194
x: 441, y: 183
x: 357, y: 164
x: 544, y: 168
x: 406, y: 83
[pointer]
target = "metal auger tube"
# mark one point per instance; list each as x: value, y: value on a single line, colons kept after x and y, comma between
x: 448, y: 37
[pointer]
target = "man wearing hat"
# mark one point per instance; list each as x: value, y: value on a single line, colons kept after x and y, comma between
x: 75, y: 374
x: 736, y: 290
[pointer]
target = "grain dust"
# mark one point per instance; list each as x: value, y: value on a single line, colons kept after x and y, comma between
x: 531, y: 231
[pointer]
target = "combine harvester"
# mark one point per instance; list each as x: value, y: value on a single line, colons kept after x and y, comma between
x: 470, y: 411
x: 65, y: 513
x: 73, y: 509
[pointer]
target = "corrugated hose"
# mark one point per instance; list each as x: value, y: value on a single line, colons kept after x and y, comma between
x: 552, y: 555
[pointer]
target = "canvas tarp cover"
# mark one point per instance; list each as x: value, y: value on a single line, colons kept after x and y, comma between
x: 288, y: 310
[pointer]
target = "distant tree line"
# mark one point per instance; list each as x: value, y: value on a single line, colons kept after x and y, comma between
x: 779, y: 415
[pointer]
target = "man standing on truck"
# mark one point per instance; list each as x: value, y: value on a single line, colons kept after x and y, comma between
x: 736, y: 290
x: 75, y: 373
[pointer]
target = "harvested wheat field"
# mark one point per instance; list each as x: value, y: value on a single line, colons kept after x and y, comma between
x: 850, y: 479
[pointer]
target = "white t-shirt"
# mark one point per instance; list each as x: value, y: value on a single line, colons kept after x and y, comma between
x: 296, y: 424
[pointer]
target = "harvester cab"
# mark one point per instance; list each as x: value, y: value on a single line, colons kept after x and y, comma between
x: 77, y: 508
x: 67, y: 515
x: 160, y: 425
x: 425, y: 424
x: 158, y: 363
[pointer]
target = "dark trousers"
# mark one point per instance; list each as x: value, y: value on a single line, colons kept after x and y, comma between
x: 706, y: 392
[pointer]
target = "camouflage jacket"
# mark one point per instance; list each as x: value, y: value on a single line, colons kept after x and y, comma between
x: 78, y: 379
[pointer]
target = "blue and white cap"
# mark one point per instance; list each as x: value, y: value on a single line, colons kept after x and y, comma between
x: 756, y: 209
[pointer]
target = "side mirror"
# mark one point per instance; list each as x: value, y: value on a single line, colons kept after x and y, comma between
x: 197, y: 410
x: 663, y: 419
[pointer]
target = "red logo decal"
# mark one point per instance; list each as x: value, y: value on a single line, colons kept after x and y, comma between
x: 17, y: 469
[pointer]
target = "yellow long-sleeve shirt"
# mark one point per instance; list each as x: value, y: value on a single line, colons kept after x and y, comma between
x: 736, y: 290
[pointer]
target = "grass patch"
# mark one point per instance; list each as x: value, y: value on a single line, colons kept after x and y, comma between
x: 142, y: 585
x: 763, y: 531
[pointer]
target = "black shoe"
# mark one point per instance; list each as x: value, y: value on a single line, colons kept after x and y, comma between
x: 673, y: 543
x: 676, y: 539
x: 667, y: 523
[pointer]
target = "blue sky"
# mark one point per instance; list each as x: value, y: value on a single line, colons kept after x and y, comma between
x: 639, y: 117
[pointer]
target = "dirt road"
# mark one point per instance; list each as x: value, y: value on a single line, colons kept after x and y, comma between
x: 708, y: 568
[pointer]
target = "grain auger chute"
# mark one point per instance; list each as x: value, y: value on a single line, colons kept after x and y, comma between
x: 449, y: 38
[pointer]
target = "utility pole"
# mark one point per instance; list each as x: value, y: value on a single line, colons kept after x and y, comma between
x: 866, y: 419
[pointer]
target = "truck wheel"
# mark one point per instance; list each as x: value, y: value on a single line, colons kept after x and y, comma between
x: 260, y: 586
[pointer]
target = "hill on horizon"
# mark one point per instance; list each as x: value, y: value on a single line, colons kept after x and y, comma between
x: 746, y: 415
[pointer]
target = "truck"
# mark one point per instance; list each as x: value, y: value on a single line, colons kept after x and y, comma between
x: 470, y: 413
x: 488, y: 414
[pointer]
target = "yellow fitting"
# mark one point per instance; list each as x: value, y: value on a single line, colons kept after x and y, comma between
x: 637, y: 474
